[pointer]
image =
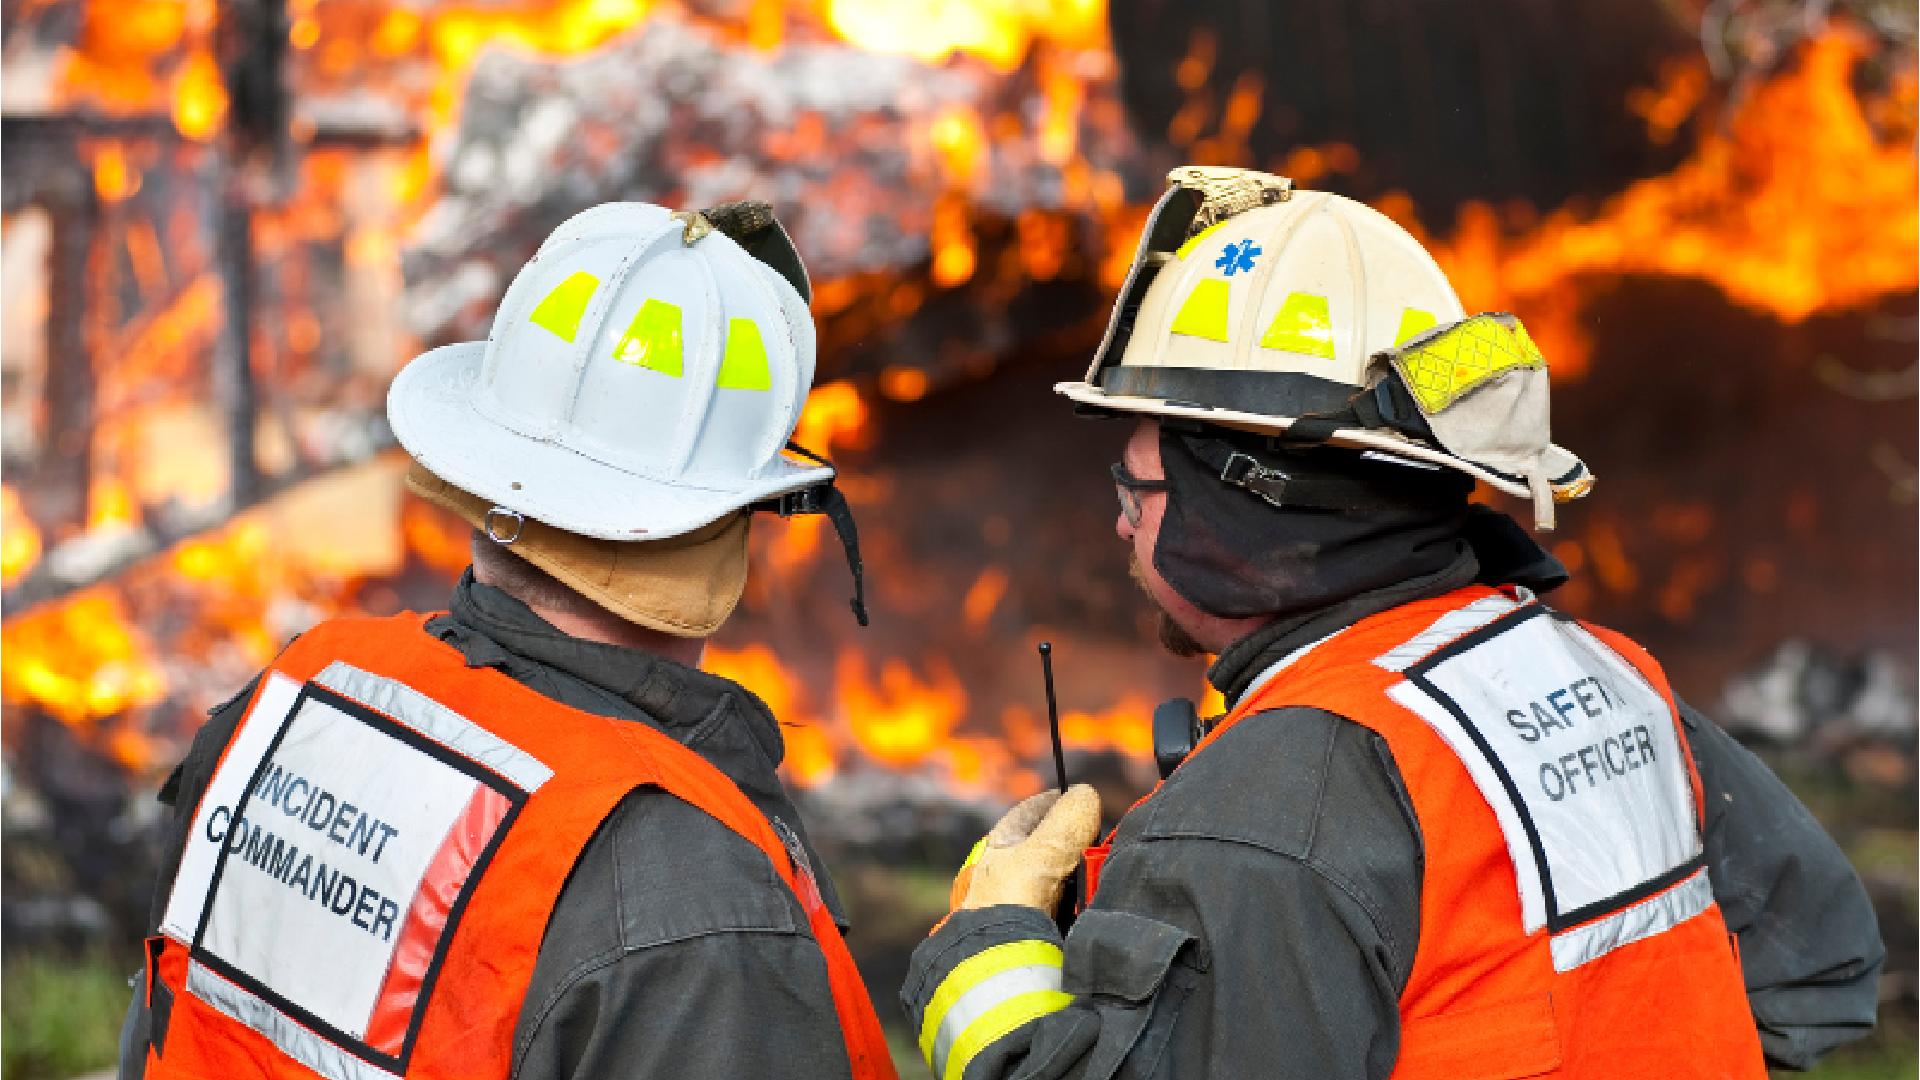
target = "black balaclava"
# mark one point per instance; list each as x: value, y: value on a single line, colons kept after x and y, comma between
x: 1234, y: 554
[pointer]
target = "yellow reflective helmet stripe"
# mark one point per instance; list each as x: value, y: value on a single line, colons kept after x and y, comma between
x: 1204, y: 315
x: 744, y: 364
x: 997, y: 1023
x: 980, y: 984
x: 1194, y: 240
x: 1470, y: 352
x: 652, y: 339
x: 1413, y: 322
x: 1302, y: 325
x: 560, y: 311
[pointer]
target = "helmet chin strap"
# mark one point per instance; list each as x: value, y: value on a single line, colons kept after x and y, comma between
x: 1321, y: 488
x: 828, y: 500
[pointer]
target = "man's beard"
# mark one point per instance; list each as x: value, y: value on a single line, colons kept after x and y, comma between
x: 1173, y: 637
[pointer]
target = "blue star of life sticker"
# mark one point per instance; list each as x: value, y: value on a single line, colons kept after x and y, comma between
x: 1236, y: 257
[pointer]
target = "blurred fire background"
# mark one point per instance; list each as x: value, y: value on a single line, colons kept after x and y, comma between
x: 228, y: 222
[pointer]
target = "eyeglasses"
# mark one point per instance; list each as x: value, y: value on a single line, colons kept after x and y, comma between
x: 1131, y: 488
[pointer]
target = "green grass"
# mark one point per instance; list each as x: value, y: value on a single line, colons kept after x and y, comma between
x: 60, y: 1018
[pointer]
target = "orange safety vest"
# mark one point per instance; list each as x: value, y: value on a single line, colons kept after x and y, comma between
x: 374, y: 862
x: 1567, y: 925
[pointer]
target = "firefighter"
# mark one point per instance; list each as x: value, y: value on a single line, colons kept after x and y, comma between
x: 527, y: 836
x: 1444, y: 831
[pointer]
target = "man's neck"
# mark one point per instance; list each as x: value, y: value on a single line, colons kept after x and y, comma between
x: 609, y: 629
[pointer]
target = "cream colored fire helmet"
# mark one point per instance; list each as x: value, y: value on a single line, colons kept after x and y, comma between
x: 642, y: 379
x: 1304, y: 314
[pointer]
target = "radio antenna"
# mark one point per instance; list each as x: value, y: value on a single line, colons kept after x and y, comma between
x: 1053, y: 716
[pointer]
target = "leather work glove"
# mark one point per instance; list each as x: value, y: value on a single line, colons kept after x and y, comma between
x: 1029, y: 855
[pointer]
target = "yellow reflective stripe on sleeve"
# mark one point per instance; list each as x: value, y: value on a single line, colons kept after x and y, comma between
x: 1204, y: 315
x: 744, y: 364
x: 997, y: 1024
x: 1302, y: 325
x: 652, y: 339
x: 976, y: 970
x: 560, y: 311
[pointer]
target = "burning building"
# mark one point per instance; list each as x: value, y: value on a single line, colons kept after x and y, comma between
x: 228, y: 222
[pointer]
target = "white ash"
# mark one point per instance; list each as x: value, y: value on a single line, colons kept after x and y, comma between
x: 1803, y: 694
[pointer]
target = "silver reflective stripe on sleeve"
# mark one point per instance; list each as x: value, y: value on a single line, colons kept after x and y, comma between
x: 986, y: 997
x: 430, y: 718
x: 300, y: 1044
x: 1654, y: 915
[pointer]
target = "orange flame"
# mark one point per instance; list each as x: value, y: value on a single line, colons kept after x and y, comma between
x: 811, y: 751
x: 835, y: 416
x: 1798, y: 205
x: 903, y: 719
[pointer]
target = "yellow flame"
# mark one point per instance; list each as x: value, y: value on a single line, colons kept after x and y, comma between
x: 19, y: 538
x: 81, y: 660
x: 903, y: 719
x: 998, y: 31
x: 199, y: 97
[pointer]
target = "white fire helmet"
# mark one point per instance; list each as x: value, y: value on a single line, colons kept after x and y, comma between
x: 642, y: 377
x: 1311, y: 316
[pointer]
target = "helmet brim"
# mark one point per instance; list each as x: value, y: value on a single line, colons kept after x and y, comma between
x: 1354, y: 438
x: 430, y: 406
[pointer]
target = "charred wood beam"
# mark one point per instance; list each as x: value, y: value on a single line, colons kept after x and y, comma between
x: 64, y: 467
x: 43, y: 156
x: 233, y: 357
x: 251, y: 39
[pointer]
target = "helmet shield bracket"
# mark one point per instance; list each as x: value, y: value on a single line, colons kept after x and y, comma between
x: 1481, y: 386
x: 1197, y: 198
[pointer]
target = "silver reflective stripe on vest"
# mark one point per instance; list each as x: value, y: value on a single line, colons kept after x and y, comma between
x: 1284, y: 663
x: 300, y: 1044
x: 1454, y: 624
x: 1651, y: 916
x: 436, y: 721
